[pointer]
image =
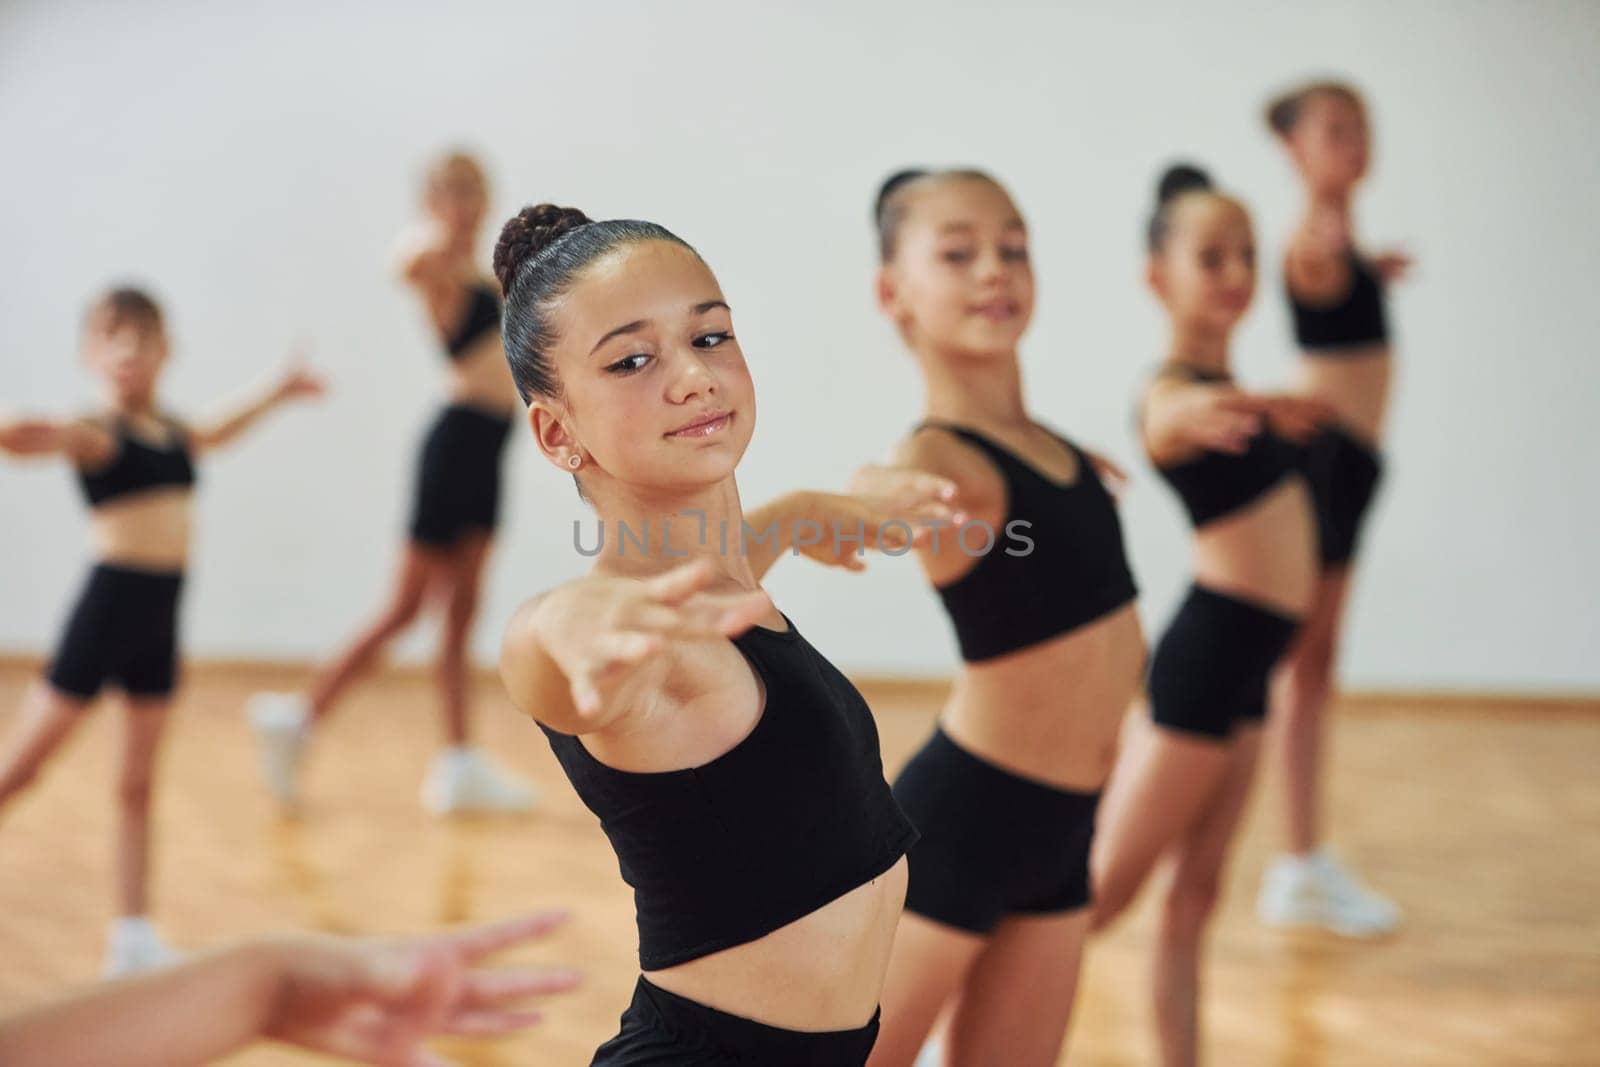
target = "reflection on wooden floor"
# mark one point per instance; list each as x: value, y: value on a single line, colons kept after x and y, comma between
x: 1482, y: 820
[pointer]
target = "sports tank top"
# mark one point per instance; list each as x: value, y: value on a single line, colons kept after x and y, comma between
x: 1074, y: 572
x: 139, y: 466
x: 1355, y: 320
x: 480, y: 316
x: 1215, y: 484
x: 792, y: 817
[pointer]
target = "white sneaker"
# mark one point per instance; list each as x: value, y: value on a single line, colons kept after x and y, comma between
x: 279, y: 720
x: 1317, y: 890
x: 133, y: 946
x: 464, y: 781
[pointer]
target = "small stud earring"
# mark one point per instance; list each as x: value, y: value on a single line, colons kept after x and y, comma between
x: 574, y: 461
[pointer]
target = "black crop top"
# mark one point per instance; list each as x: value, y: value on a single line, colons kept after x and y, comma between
x: 794, y: 816
x: 1215, y: 484
x: 1351, y: 322
x: 139, y: 466
x: 1075, y: 571
x: 481, y: 315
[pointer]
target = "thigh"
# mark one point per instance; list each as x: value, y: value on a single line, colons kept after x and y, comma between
x: 438, y: 495
x: 1017, y: 999
x: 85, y: 654
x: 928, y: 964
x: 49, y: 716
x: 149, y: 670
x: 1202, y: 855
x: 1163, y: 782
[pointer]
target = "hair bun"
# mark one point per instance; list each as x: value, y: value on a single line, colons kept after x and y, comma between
x: 1181, y: 178
x: 534, y: 228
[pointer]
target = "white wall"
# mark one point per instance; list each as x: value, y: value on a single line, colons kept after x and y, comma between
x: 252, y: 162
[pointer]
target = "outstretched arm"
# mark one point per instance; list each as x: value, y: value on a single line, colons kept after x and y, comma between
x: 297, y: 381
x: 581, y: 657
x: 368, y: 1001
x: 886, y: 509
x: 80, y: 441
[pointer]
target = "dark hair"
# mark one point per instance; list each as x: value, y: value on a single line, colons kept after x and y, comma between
x: 889, y: 209
x: 1180, y: 178
x: 538, y: 255
x: 1285, y: 109
x: 124, y: 304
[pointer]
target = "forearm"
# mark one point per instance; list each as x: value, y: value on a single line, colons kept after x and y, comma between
x: 32, y: 437
x: 772, y: 530
x: 191, y: 1013
x: 223, y: 430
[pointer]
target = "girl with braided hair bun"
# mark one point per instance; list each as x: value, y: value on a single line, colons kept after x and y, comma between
x: 1005, y: 792
x: 1236, y: 460
x: 454, y: 514
x: 735, y: 770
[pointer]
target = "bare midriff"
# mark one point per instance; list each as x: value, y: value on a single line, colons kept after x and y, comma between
x: 1265, y: 552
x: 480, y: 378
x: 1356, y: 384
x: 822, y: 972
x: 1051, y: 712
x: 145, y: 531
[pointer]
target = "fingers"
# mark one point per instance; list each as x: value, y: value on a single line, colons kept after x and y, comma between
x: 476, y: 942
x: 1228, y: 433
x: 902, y: 484
x: 738, y: 613
x: 625, y: 647
x: 585, y: 697
x: 680, y: 582
x: 1114, y: 477
x: 490, y: 988
x: 489, y: 1023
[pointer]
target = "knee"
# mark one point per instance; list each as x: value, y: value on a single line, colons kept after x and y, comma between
x: 18, y: 779
x: 133, y: 793
x: 1311, y: 669
x: 1109, y: 900
x: 401, y: 614
x: 1191, y: 901
x: 461, y: 610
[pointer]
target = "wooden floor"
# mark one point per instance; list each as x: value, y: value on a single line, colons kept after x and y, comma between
x: 1482, y: 820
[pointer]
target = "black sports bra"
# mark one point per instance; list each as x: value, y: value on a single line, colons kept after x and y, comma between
x: 792, y: 817
x: 481, y: 315
x: 1065, y: 570
x: 1351, y: 322
x: 139, y: 466
x: 1215, y: 484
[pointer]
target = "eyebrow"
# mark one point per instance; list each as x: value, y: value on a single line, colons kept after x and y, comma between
x: 639, y: 324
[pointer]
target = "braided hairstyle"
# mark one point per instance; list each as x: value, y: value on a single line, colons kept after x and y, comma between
x: 538, y: 256
x: 1180, y: 178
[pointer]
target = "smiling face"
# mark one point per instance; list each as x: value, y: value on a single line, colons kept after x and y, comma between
x: 1205, y: 268
x: 654, y: 391
x: 959, y: 278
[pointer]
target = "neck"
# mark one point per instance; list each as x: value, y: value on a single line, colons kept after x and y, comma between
x: 648, y: 531
x: 973, y: 390
x: 138, y: 406
x: 1204, y: 349
x: 1334, y: 202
